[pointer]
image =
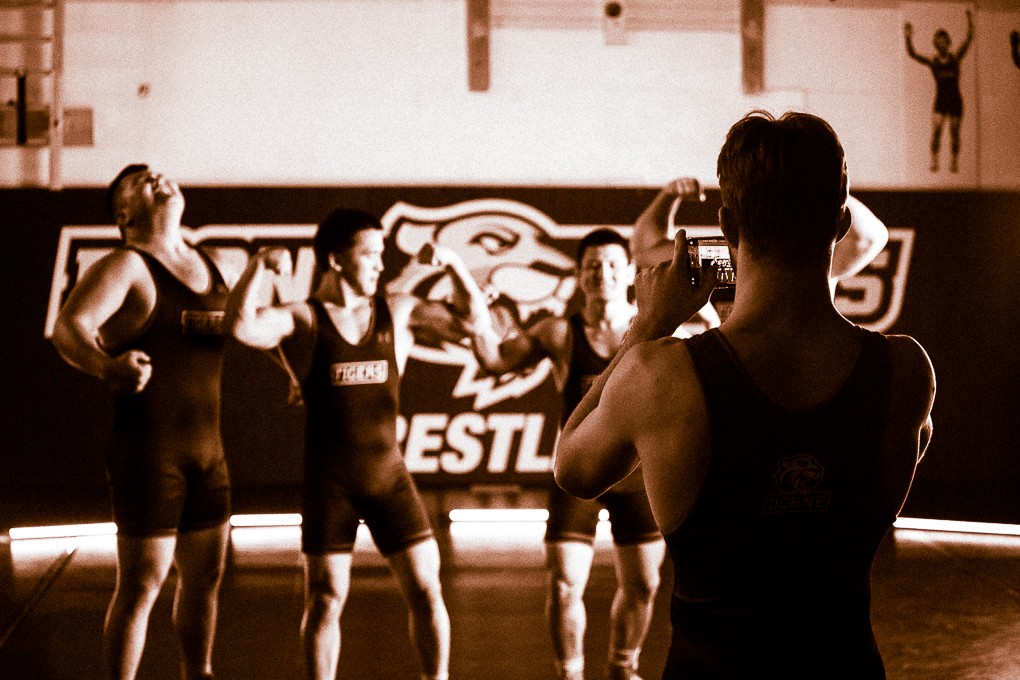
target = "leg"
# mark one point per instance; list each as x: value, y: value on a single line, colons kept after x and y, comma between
x: 327, y: 582
x: 954, y: 142
x: 936, y: 139
x: 569, y: 564
x: 417, y: 572
x: 200, y: 560
x: 142, y: 566
x: 637, y: 581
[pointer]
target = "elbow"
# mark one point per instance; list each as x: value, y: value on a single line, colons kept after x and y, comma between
x: 65, y: 331
x: 574, y: 482
x: 246, y: 334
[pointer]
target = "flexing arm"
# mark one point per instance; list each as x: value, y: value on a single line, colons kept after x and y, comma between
x: 650, y: 242
x: 865, y: 239
x: 494, y: 354
x: 469, y: 302
x: 116, y: 286
x: 596, y: 447
x: 247, y: 317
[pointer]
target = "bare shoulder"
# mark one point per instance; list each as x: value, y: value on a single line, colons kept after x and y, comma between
x: 657, y: 370
x: 122, y: 268
x: 553, y: 333
x: 655, y: 355
x: 230, y: 262
x: 910, y: 357
x: 403, y: 303
x: 913, y: 376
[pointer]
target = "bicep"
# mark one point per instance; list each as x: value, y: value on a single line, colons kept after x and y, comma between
x: 599, y: 450
x: 100, y: 294
x: 268, y: 327
x: 438, y: 318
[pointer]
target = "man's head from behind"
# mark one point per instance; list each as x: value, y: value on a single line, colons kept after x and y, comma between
x: 784, y: 186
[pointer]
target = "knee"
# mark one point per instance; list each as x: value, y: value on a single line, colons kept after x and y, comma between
x: 566, y: 589
x: 426, y: 596
x: 640, y: 588
x: 324, y: 601
x: 140, y: 586
x: 205, y: 580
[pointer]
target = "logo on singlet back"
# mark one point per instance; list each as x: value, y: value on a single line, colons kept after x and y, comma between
x: 797, y: 479
x: 195, y: 322
x: 359, y: 373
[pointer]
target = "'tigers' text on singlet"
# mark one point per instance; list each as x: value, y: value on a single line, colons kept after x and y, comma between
x: 201, y: 322
x: 359, y: 373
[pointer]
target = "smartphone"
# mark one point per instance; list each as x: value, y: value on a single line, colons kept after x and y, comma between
x: 713, y: 250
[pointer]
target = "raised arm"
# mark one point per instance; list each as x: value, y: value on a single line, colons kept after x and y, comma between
x: 1014, y: 44
x: 596, y: 446
x: 469, y: 303
x: 865, y: 239
x: 249, y: 316
x: 650, y: 242
x: 495, y: 354
x: 908, y: 34
x: 116, y: 286
x: 965, y: 45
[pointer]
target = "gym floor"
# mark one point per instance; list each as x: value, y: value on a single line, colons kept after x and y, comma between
x: 945, y: 605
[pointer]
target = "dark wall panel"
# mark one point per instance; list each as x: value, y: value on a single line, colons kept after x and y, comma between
x: 947, y: 278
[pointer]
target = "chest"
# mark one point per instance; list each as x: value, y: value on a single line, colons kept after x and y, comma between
x: 353, y: 324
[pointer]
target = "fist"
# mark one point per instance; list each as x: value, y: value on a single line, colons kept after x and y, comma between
x: 437, y: 256
x: 129, y: 372
x: 908, y: 29
x: 277, y: 260
x: 688, y: 187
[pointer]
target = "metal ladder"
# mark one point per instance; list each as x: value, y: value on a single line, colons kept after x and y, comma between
x: 31, y: 79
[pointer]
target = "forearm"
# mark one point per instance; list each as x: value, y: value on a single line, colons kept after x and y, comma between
x: 78, y: 345
x: 651, y: 230
x: 468, y: 298
x: 242, y: 303
x: 244, y: 314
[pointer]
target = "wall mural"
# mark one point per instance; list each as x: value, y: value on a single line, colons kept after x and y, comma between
x: 458, y: 423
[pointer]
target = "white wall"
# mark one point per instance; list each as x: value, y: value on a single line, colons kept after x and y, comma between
x: 338, y: 92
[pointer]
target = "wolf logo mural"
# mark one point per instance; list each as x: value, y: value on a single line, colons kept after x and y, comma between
x: 511, y: 250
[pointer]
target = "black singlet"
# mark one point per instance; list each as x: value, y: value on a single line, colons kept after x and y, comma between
x: 352, y: 394
x: 166, y: 463
x: 772, y: 565
x: 585, y: 366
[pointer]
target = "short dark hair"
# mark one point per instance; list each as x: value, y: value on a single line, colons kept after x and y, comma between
x: 601, y: 237
x: 784, y: 181
x: 337, y: 230
x: 111, y: 191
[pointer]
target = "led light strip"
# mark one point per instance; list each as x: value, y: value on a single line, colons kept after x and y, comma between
x: 480, y: 515
x: 64, y: 531
x: 498, y: 515
x: 957, y: 526
x: 292, y: 519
